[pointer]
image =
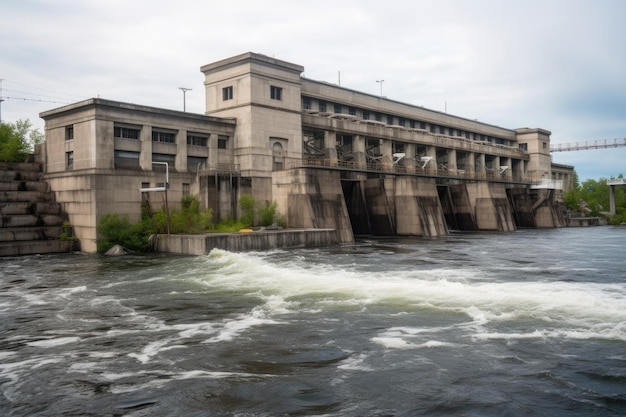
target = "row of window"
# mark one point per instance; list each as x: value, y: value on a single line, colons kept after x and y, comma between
x: 323, y: 107
x: 276, y: 93
x: 193, y: 139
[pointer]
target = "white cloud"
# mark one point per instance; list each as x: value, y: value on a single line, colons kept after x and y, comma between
x: 555, y: 64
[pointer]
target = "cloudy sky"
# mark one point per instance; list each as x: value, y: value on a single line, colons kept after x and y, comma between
x: 555, y: 64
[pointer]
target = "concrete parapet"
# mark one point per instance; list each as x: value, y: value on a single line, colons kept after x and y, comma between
x: 202, y: 244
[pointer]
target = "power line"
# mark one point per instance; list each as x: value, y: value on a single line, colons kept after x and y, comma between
x: 34, y: 99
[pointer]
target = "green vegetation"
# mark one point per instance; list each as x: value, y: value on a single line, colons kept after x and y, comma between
x: 67, y: 234
x: 17, y: 140
x: 118, y: 230
x: 592, y: 198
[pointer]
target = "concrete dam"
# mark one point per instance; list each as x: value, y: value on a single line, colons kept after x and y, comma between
x: 409, y: 205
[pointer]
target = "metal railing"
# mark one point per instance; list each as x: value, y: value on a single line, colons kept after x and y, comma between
x: 444, y: 173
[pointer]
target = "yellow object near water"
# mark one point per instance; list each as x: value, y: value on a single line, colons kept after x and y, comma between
x: 246, y: 231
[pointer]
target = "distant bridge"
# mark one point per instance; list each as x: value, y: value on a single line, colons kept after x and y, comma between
x: 583, y: 146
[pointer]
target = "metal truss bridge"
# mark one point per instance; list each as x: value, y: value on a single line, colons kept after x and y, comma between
x: 583, y: 146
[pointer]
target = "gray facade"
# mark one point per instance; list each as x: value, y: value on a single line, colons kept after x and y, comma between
x: 266, y: 131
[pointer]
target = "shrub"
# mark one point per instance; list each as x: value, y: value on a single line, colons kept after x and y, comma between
x: 247, y: 203
x: 117, y: 230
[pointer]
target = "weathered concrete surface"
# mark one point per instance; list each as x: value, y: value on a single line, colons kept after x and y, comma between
x: 30, y: 220
x: 585, y: 221
x: 313, y: 199
x: 33, y: 247
x: 202, y: 244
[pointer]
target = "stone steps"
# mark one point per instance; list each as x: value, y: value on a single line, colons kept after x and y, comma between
x: 31, y: 222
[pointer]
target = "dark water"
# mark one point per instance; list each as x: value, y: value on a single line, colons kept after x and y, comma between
x: 531, y: 323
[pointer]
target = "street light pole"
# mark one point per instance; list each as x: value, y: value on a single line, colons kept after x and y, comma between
x: 184, y: 90
x: 381, y: 86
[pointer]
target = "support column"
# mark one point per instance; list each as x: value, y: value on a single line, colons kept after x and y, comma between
x: 431, y: 167
x: 469, y: 166
x: 358, y: 150
x: 330, y: 147
x: 386, y: 152
x: 212, y: 159
x: 452, y: 161
x: 612, y: 200
x: 409, y: 159
x: 481, y: 168
x: 145, y: 157
x: 181, y: 151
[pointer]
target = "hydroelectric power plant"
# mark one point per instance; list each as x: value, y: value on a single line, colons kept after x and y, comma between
x: 330, y: 157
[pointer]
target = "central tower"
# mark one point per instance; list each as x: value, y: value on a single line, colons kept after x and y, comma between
x: 264, y: 95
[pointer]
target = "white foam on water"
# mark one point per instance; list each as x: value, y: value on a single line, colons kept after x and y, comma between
x: 484, y: 299
x: 232, y: 328
x: 355, y: 363
x: 53, y: 342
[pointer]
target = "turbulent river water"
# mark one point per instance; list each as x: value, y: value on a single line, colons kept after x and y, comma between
x: 531, y: 323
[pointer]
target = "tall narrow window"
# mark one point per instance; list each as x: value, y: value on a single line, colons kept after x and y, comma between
x: 306, y: 103
x: 69, y: 159
x: 322, y: 106
x: 227, y: 93
x: 276, y: 93
x: 222, y: 142
x: 69, y: 132
x: 277, y: 154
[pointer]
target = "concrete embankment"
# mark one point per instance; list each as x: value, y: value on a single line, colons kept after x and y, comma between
x: 202, y: 244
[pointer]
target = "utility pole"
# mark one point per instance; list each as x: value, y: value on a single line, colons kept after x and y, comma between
x: 1, y: 99
x: 381, y: 87
x: 184, y: 90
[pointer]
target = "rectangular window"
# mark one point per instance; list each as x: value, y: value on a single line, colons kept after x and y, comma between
x: 160, y: 136
x: 126, y: 132
x: 227, y: 93
x: 126, y: 159
x: 69, y: 132
x: 366, y: 115
x: 195, y: 162
x: 523, y: 146
x: 306, y: 103
x: 222, y: 142
x: 352, y: 111
x: 401, y: 121
x: 69, y: 160
x: 442, y: 130
x: 276, y: 93
x: 197, y: 140
x: 322, y: 106
x: 423, y: 125
x: 164, y: 157
x: 378, y: 117
x: 337, y: 108
x: 185, y: 189
x: 389, y: 120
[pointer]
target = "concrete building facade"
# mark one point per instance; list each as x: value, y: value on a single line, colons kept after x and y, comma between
x: 330, y: 157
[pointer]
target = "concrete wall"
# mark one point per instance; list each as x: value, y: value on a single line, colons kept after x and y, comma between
x: 313, y: 199
x: 237, y: 242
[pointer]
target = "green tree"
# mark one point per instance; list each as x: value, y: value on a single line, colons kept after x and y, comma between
x: 17, y: 140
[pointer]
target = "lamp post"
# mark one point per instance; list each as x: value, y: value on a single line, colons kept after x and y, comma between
x: 381, y: 86
x: 184, y: 90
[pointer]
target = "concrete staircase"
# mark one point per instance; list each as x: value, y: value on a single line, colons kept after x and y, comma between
x: 30, y: 220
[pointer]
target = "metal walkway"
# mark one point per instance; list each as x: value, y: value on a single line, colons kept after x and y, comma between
x: 583, y: 146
